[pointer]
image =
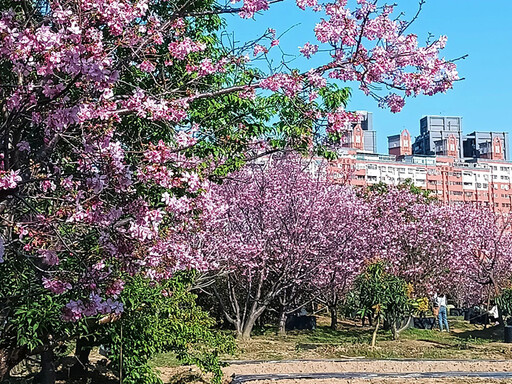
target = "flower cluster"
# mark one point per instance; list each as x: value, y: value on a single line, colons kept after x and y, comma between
x: 109, y: 145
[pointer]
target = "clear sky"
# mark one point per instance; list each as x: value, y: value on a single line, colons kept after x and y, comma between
x: 481, y: 29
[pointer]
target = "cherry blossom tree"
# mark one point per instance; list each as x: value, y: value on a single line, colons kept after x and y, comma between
x: 353, y: 245
x: 462, y: 249
x: 115, y: 114
x: 281, y: 226
x: 481, y: 262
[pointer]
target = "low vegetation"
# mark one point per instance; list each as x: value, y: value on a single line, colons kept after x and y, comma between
x: 466, y: 341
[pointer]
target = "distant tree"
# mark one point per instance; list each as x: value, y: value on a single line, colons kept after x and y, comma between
x: 384, y: 296
x: 283, y: 231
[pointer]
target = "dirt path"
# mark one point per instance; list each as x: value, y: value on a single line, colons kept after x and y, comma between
x: 356, y: 371
x: 373, y: 366
x: 388, y: 381
x: 352, y: 371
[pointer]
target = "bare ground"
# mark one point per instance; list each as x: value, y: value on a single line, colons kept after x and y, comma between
x: 374, y: 366
x: 191, y: 375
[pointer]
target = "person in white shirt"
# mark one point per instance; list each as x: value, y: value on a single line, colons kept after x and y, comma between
x: 494, y: 314
x: 442, y: 317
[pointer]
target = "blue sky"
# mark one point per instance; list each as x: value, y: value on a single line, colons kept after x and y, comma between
x: 481, y: 29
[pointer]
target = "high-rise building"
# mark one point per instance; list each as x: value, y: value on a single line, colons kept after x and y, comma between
x: 487, y: 145
x: 440, y: 136
x: 361, y: 136
x: 400, y: 145
x: 484, y: 182
x: 369, y: 135
x: 456, y: 168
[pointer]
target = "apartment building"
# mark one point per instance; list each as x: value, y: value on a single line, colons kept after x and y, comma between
x: 483, y: 181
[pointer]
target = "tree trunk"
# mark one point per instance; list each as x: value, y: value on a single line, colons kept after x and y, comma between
x: 334, y: 316
x: 394, y: 330
x: 82, y: 351
x: 246, y: 333
x: 248, y: 326
x: 374, y: 336
x: 47, y: 374
x: 9, y: 358
x: 282, y: 323
x: 500, y: 317
x: 238, y: 329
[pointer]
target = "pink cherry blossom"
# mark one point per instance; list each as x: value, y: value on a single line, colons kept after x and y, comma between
x: 308, y: 49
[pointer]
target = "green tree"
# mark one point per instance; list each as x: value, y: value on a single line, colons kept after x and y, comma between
x: 384, y: 296
x: 160, y: 318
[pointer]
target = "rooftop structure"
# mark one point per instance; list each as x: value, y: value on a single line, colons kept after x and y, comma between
x: 360, y: 136
x: 442, y: 136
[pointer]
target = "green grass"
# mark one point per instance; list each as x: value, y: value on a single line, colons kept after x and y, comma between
x: 466, y: 342
x: 165, y: 360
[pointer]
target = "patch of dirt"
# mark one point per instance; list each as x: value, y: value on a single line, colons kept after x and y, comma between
x: 374, y: 366
x: 179, y: 375
x: 386, y: 381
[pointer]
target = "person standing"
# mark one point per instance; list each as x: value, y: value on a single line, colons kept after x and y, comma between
x: 442, y: 317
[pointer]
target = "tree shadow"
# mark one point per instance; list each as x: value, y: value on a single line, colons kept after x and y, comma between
x: 491, y: 333
x: 326, y: 335
x: 187, y: 378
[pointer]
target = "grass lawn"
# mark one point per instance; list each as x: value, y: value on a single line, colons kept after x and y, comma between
x: 466, y: 341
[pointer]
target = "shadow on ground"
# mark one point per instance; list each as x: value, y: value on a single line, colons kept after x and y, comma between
x: 491, y: 333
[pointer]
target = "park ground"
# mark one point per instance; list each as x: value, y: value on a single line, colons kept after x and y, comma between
x: 468, y: 348
x: 303, y: 352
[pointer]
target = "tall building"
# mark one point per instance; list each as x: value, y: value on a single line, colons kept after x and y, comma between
x: 456, y: 168
x: 360, y: 136
x: 440, y: 136
x: 482, y: 181
x: 369, y: 135
x: 487, y: 145
x: 400, y: 145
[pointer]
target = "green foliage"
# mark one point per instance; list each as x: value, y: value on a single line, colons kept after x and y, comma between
x: 161, y: 318
x: 334, y: 97
x: 420, y: 305
x: 382, y: 188
x: 504, y: 303
x: 409, y: 186
x: 382, y: 294
x: 30, y: 313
